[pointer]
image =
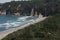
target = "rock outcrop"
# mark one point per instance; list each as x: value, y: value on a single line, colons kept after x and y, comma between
x: 29, y: 8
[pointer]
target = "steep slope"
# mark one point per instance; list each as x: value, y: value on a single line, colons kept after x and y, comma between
x: 45, y: 7
x: 49, y: 29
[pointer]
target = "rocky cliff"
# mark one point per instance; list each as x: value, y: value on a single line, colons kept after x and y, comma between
x: 29, y: 8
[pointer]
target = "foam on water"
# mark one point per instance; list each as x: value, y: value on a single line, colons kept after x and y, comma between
x: 8, y: 22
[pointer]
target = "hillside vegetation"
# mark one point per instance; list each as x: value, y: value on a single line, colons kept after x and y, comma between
x: 49, y: 29
x: 45, y: 7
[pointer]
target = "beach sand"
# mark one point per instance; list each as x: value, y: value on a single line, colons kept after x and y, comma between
x: 5, y: 33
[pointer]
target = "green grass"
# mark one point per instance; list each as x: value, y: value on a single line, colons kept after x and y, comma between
x: 49, y: 29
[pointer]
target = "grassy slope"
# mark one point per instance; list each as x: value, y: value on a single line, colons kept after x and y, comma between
x: 48, y: 29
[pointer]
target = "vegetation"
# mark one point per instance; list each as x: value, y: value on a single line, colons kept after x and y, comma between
x: 49, y: 29
x: 45, y: 7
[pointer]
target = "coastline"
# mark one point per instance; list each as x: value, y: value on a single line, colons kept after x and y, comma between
x: 5, y: 33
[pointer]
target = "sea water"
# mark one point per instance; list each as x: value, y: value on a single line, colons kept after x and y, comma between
x: 9, y: 21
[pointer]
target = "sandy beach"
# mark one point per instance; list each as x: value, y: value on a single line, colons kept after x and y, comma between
x: 5, y: 33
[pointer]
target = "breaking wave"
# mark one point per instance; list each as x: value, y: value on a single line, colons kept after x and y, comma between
x: 8, y: 22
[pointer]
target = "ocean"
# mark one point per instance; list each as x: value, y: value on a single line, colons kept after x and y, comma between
x: 9, y: 21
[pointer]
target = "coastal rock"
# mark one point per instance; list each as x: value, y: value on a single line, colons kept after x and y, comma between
x: 3, y: 12
x: 17, y: 14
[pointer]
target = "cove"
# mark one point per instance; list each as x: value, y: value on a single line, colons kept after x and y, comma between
x: 8, y: 21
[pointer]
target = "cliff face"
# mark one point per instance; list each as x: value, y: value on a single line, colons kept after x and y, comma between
x: 29, y: 8
x: 18, y: 8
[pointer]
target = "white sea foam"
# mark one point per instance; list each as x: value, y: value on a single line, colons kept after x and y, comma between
x: 23, y: 18
x: 15, y: 23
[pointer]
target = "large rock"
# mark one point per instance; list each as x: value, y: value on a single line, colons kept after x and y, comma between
x: 3, y: 12
x: 17, y: 14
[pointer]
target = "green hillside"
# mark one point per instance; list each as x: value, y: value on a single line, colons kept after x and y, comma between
x: 49, y: 29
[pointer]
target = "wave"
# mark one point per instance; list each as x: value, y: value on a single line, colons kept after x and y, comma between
x: 14, y: 22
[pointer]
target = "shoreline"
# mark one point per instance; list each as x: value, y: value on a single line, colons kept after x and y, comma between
x: 5, y: 33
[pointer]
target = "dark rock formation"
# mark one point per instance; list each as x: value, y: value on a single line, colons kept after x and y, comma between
x: 24, y: 8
